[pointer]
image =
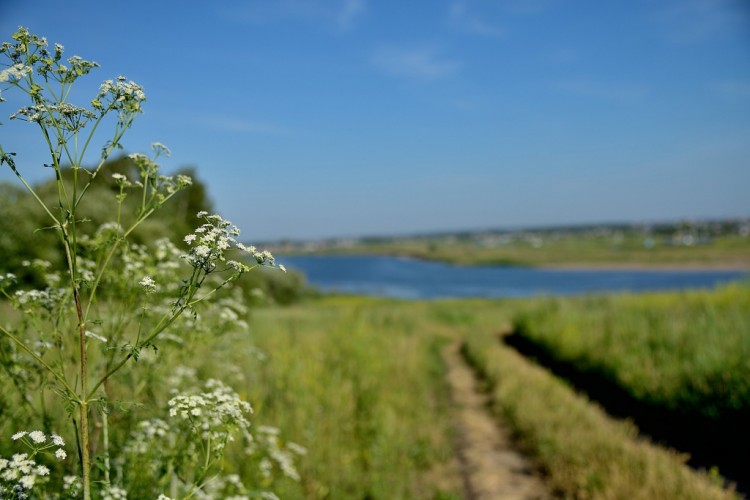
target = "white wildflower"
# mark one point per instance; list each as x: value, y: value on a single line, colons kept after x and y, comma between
x: 23, y: 471
x: 267, y: 495
x: 184, y: 180
x: 296, y: 448
x: 37, y: 436
x: 27, y: 482
x: 15, y: 72
x: 114, y: 493
x: 265, y: 467
x: 72, y: 484
x: 160, y: 148
x: 7, y: 277
x: 95, y: 336
x: 148, y: 283
x: 18, y: 435
x: 60, y: 454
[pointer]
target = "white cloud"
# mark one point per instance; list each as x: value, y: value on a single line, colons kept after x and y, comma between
x: 529, y: 7
x: 350, y: 11
x: 422, y: 63
x: 343, y: 14
x: 462, y: 18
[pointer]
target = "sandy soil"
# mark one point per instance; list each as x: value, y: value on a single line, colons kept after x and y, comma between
x: 490, y: 465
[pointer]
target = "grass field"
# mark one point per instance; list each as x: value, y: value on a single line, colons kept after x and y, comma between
x: 686, y: 351
x: 584, y: 452
x: 364, y: 391
x: 359, y: 382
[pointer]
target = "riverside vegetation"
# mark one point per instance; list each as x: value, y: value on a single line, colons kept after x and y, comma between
x: 718, y: 244
x: 348, y: 394
x: 108, y: 305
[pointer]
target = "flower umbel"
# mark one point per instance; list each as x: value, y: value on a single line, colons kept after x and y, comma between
x: 148, y: 284
x: 21, y: 473
x: 211, y: 241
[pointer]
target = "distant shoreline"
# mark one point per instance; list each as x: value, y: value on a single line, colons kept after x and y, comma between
x: 573, y: 266
x: 647, y: 267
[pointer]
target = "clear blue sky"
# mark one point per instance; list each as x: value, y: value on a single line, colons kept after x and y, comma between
x: 319, y: 118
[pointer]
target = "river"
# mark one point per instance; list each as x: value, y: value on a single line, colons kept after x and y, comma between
x: 417, y: 279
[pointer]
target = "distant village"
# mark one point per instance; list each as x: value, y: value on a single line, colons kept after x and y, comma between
x: 675, y: 233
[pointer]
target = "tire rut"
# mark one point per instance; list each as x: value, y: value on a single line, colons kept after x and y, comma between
x: 490, y: 465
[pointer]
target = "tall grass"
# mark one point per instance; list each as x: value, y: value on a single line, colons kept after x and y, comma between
x: 584, y: 453
x: 360, y: 385
x: 685, y: 351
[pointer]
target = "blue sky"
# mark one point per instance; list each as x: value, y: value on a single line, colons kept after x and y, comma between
x: 323, y: 118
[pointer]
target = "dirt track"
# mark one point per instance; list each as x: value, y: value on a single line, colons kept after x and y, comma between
x: 490, y: 466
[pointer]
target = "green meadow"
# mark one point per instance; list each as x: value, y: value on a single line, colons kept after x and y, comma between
x: 365, y: 392
x: 147, y: 352
x: 352, y: 390
x: 359, y: 383
x: 687, y: 351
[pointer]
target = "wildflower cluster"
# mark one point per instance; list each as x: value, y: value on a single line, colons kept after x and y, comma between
x: 230, y: 311
x: 148, y: 284
x: 110, y: 492
x: 43, y: 268
x: 33, y: 68
x: 212, y: 415
x: 201, y: 423
x: 193, y: 438
x: 150, y: 181
x: 37, y: 442
x: 30, y: 54
x: 120, y: 95
x: 29, y: 49
x: 33, y: 302
x: 20, y: 473
x: 14, y: 73
x: 268, y: 446
x: 67, y: 116
x: 152, y: 267
x: 146, y: 434
x: 29, y: 300
x: 210, y: 242
x: 155, y: 188
x: 7, y: 280
x: 109, y: 300
x: 72, y: 486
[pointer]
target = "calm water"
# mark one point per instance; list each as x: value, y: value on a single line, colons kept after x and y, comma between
x: 416, y: 279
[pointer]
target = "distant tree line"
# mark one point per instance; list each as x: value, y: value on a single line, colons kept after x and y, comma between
x: 25, y: 235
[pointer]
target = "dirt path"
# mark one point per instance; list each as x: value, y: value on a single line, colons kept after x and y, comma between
x: 491, y: 468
